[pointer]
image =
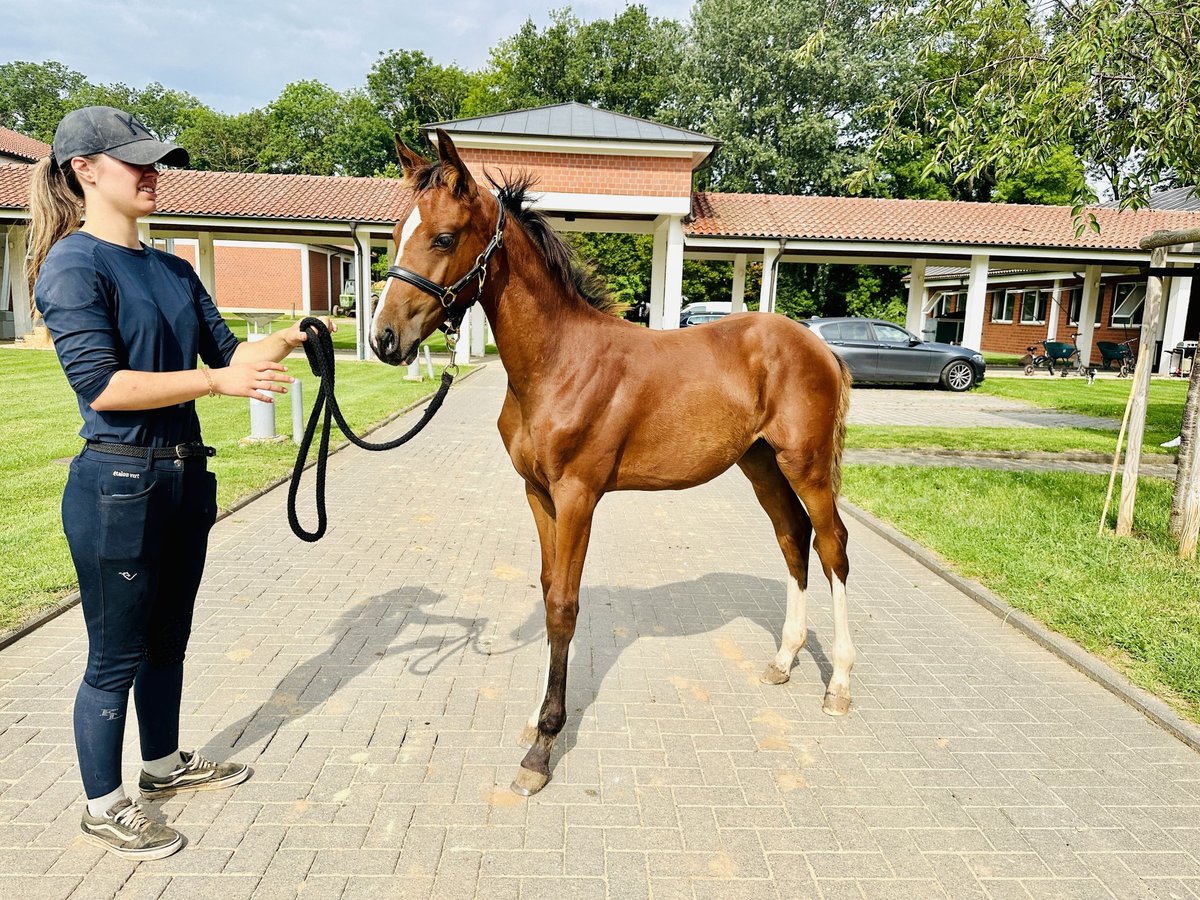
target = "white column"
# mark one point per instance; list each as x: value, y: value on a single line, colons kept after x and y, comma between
x: 914, y: 320
x: 673, y: 276
x: 462, y: 352
x: 4, y: 293
x: 1176, y: 317
x: 305, y: 281
x: 1053, y: 312
x: 738, y: 300
x: 1087, y: 312
x: 976, y: 300
x: 18, y: 287
x: 206, y: 264
x: 658, y: 272
x: 478, y: 321
x: 143, y: 228
x: 766, y: 293
x: 364, y: 304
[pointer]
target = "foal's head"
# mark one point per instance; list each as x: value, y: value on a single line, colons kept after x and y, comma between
x: 450, y: 226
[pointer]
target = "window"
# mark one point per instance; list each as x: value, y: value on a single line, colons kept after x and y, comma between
x: 1128, y: 301
x: 856, y: 331
x: 832, y: 332
x: 1003, y: 305
x: 891, y: 334
x: 1033, y: 306
x: 951, y: 303
x: 1073, y: 297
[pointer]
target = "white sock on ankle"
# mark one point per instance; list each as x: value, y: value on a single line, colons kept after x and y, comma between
x: 161, y: 768
x: 100, y: 805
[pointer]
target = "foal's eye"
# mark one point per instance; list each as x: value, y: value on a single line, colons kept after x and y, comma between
x: 443, y: 241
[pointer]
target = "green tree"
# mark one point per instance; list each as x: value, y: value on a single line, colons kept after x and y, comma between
x: 627, y: 64
x: 312, y: 129
x: 409, y: 90
x: 787, y: 118
x: 225, y: 143
x: 1116, y: 80
x: 35, y: 96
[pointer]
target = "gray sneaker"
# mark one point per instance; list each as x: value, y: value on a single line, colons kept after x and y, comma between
x: 125, y: 831
x: 195, y: 774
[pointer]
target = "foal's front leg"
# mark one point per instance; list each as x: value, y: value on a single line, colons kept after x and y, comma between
x: 573, y: 508
x: 542, y: 508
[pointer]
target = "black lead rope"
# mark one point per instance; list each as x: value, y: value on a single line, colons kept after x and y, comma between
x: 319, y: 350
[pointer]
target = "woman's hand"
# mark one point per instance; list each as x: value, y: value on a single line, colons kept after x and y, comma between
x: 295, y: 337
x: 257, y: 380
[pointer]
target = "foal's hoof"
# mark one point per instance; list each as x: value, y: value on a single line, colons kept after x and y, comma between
x: 772, y: 674
x: 835, y: 704
x: 528, y: 736
x: 527, y: 783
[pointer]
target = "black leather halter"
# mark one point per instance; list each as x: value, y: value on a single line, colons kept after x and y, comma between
x: 448, y: 296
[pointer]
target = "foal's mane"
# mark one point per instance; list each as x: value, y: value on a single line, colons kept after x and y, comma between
x: 564, y: 262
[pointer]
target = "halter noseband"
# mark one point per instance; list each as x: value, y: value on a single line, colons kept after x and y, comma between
x: 448, y: 296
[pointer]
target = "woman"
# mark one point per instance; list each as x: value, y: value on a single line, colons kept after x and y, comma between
x: 128, y: 323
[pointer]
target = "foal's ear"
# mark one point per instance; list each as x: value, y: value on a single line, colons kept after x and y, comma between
x: 455, y: 174
x: 409, y: 160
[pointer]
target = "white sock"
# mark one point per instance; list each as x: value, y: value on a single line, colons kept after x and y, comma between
x: 101, y: 805
x: 161, y: 768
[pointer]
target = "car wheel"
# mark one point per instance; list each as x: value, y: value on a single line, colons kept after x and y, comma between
x: 958, y: 376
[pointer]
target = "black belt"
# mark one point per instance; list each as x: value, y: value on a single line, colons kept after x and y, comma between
x: 179, y: 451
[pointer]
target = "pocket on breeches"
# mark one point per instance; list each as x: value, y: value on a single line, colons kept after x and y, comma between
x: 129, y: 515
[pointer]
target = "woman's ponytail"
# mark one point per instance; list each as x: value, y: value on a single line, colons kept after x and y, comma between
x: 55, y: 210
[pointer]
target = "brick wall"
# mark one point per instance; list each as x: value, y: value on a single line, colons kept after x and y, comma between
x: 1014, y: 337
x: 253, y: 277
x: 587, y: 173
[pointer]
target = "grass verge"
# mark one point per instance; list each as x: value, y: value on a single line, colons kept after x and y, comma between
x: 1031, y: 539
x: 39, y: 419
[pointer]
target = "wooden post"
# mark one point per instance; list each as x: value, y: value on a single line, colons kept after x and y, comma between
x: 1151, y: 316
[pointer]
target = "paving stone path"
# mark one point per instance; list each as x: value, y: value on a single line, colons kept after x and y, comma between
x: 377, y: 680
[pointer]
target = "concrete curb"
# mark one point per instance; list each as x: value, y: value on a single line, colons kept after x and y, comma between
x: 72, y: 598
x: 1064, y: 648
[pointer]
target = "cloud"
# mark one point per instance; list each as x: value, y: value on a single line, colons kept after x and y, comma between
x: 235, y: 55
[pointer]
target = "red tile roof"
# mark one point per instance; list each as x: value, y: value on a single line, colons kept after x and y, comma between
x: 228, y: 194
x: 322, y: 198
x: 183, y: 192
x: 921, y: 221
x: 13, y: 143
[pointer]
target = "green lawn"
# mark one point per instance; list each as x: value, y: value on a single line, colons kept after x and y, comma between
x: 1103, y: 399
x: 343, y: 338
x: 1031, y: 538
x: 39, y: 421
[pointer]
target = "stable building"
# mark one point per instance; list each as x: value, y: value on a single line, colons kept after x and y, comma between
x: 995, y: 277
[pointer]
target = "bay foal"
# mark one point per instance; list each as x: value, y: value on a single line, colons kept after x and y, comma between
x: 597, y: 404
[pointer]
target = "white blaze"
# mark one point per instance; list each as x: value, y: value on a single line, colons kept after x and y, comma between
x: 411, y: 224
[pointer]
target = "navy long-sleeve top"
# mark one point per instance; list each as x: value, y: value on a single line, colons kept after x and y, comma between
x: 109, y: 308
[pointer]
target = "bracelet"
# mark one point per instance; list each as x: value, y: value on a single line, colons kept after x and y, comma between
x: 212, y: 388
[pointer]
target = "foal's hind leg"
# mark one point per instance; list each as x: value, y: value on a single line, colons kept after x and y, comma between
x: 821, y: 503
x: 793, y: 530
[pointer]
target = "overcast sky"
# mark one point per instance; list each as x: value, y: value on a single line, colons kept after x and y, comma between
x: 238, y: 54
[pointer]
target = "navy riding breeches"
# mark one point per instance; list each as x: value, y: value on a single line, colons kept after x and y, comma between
x: 138, y: 532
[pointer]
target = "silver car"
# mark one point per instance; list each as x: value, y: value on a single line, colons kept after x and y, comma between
x: 880, y: 351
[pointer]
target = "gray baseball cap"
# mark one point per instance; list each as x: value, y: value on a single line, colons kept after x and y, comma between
x: 102, y: 129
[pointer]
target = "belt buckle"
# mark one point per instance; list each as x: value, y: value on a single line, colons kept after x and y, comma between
x: 184, y: 451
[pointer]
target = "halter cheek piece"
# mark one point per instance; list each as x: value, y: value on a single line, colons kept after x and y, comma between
x: 448, y: 296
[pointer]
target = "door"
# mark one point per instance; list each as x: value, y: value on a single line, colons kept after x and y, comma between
x: 854, y: 343
x: 900, y: 359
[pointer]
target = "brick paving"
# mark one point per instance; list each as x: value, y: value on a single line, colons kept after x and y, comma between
x: 377, y: 681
